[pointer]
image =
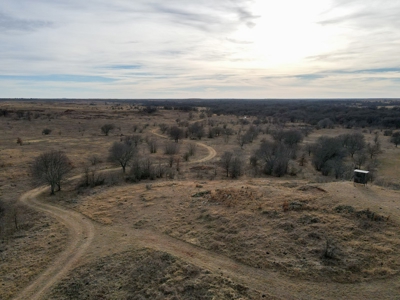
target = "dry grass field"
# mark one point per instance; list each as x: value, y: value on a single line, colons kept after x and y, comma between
x: 194, y: 233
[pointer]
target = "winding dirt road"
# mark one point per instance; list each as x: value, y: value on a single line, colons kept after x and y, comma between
x: 89, y: 240
x: 81, y: 234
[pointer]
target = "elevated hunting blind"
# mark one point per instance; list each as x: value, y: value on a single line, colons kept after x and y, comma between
x: 361, y: 176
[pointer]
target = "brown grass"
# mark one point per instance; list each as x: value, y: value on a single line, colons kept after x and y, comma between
x: 29, y: 251
x: 248, y: 223
x: 275, y: 224
x: 147, y: 274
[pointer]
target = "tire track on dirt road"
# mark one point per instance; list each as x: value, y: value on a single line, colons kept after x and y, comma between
x: 81, y: 234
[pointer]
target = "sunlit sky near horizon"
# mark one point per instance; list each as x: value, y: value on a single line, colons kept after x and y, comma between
x: 200, y: 49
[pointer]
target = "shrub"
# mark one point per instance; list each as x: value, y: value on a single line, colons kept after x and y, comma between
x: 326, y: 149
x: 106, y: 128
x: 171, y: 148
x: 46, y: 131
x: 152, y: 145
x: 94, y: 159
x: 274, y: 158
x: 191, y: 147
x: 395, y: 139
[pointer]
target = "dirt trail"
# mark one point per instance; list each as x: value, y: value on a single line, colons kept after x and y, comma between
x: 81, y: 235
x: 270, y: 283
x: 90, y: 240
x: 99, y: 240
x: 211, y: 151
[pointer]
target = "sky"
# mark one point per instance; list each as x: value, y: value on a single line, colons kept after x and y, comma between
x: 199, y: 49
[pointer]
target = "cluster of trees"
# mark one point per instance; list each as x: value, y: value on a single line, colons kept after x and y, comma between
x: 232, y: 164
x: 330, y: 153
x: 51, y: 167
x: 272, y: 157
x: 395, y: 138
x: 19, y: 114
x: 347, y: 113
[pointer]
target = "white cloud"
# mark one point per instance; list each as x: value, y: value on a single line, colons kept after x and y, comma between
x: 203, y: 48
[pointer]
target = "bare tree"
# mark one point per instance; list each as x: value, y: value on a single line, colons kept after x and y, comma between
x: 94, y: 159
x: 337, y: 166
x: 353, y: 142
x: 152, y: 143
x: 163, y: 127
x: 191, y: 147
x: 122, y: 154
x: 171, y: 148
x: 325, y: 123
x: 227, y: 133
x: 106, y: 128
x: 143, y: 168
x: 50, y: 168
x: 324, y: 150
x: 235, y: 167
x: 91, y: 177
x: 292, y: 137
x: 278, y: 134
x: 133, y: 140
x: 196, y: 130
x: 374, y: 150
x: 309, y: 148
x: 376, y: 138
x: 359, y: 159
x: 226, y: 161
x: 176, y: 133
x: 395, y: 139
x: 275, y: 157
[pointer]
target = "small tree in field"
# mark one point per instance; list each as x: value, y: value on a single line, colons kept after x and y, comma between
x: 176, y: 133
x: 51, y: 168
x: 191, y: 147
x: 46, y: 131
x: 226, y: 159
x: 106, y: 128
x: 122, y: 154
x: 373, y: 150
x: 354, y: 142
x: 152, y: 145
x: 395, y: 139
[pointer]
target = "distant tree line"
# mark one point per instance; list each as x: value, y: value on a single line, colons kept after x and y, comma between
x: 339, y: 112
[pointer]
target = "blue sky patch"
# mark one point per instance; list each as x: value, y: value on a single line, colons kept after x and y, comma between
x: 57, y: 78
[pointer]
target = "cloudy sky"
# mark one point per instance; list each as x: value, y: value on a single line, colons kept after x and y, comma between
x: 200, y: 48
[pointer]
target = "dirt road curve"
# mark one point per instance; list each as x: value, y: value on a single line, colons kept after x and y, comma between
x: 81, y: 235
x: 89, y: 240
x: 81, y: 232
x: 211, y: 151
